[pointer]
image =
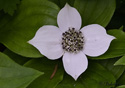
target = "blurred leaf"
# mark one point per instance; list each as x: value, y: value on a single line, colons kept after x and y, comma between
x: 117, y: 46
x: 95, y: 11
x: 117, y: 21
x: 2, y: 47
x: 121, y: 6
x: 48, y: 67
x: 9, y: 6
x: 31, y: 15
x: 118, y: 18
x: 61, y: 3
x: 121, y: 28
x: 17, y: 58
x: 13, y: 75
x: 117, y: 71
x: 96, y: 76
x: 122, y: 86
x: 121, y: 61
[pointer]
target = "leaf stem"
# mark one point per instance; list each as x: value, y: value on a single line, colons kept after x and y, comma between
x: 54, y: 72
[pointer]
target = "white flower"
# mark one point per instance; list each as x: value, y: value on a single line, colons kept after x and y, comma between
x: 71, y: 41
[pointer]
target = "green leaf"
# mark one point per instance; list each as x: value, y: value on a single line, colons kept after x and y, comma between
x: 48, y: 67
x: 95, y: 11
x: 117, y: 46
x: 4, y: 19
x: 121, y: 80
x: 122, y: 86
x: 17, y: 58
x: 31, y: 15
x: 96, y: 76
x: 9, y: 6
x: 13, y: 75
x: 121, y: 61
x: 117, y: 71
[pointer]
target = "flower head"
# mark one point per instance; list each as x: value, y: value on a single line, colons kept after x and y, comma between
x: 71, y: 42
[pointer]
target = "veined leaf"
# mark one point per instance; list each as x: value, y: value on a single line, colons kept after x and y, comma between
x: 13, y: 75
x: 121, y: 61
x: 53, y: 73
x: 96, y: 76
x: 17, y: 58
x: 117, y: 71
x: 31, y: 15
x: 95, y: 11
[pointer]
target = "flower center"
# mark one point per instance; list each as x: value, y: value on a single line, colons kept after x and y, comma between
x: 72, y: 40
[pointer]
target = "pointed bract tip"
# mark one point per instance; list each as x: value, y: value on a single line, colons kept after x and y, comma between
x: 112, y: 37
x: 29, y: 42
x: 75, y: 77
x: 67, y: 5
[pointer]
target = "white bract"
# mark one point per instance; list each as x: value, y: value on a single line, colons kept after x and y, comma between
x: 71, y: 42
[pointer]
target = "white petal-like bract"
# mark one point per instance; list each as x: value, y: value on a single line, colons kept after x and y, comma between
x: 75, y: 64
x: 68, y: 17
x: 97, y: 41
x: 48, y: 41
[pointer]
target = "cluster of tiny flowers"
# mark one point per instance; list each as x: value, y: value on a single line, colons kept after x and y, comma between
x: 72, y: 40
